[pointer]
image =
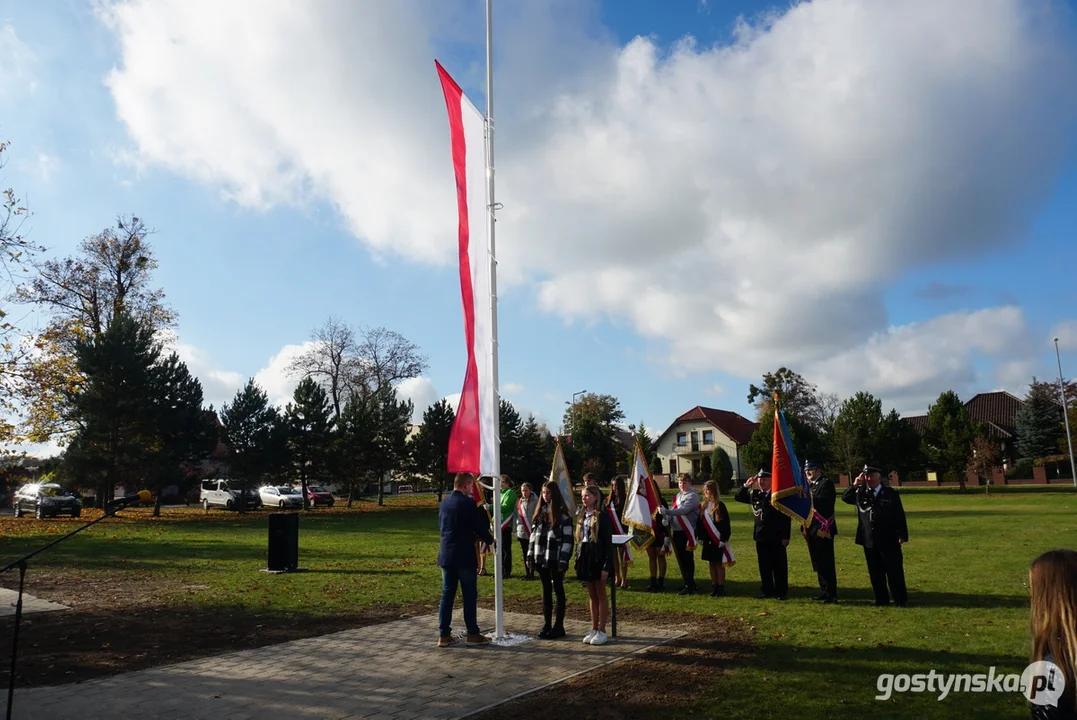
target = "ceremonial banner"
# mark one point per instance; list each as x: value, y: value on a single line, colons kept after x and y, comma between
x: 559, y: 474
x: 641, y: 504
x: 789, y: 491
x: 624, y: 550
x: 473, y: 440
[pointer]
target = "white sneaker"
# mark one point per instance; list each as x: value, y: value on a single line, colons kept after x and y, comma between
x: 600, y: 638
x: 589, y: 636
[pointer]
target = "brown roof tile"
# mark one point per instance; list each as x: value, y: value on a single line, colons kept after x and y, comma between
x: 737, y: 427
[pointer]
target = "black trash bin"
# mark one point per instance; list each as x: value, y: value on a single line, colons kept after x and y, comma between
x: 283, y: 542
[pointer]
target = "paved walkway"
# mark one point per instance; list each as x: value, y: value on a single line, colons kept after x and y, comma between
x: 393, y: 670
x: 30, y: 604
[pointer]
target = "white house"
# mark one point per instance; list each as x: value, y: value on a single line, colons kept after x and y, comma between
x: 697, y: 433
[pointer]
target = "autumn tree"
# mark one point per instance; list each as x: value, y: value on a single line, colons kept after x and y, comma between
x: 984, y: 459
x: 310, y: 434
x: 110, y: 276
x: 797, y: 397
x: 16, y: 255
x: 591, y: 422
x: 347, y: 363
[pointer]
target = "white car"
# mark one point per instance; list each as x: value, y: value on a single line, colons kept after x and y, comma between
x: 218, y: 493
x: 282, y: 497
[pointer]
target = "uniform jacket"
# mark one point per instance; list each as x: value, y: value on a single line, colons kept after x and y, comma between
x: 823, y: 497
x: 771, y: 524
x: 462, y: 523
x: 880, y: 517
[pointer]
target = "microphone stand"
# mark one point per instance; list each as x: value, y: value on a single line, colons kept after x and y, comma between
x: 21, y: 564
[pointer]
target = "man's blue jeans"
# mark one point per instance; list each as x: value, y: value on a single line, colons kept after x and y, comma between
x: 467, y: 579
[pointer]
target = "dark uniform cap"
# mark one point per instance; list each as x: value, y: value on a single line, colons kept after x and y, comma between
x: 868, y: 469
x: 764, y: 473
x: 812, y: 465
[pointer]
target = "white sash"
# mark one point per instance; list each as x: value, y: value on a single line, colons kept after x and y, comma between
x: 689, y: 531
x: 521, y: 512
x: 618, y: 529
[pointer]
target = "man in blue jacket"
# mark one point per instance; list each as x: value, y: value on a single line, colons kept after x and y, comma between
x: 462, y: 523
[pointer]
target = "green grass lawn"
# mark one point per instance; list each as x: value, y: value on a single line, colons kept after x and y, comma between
x: 966, y: 566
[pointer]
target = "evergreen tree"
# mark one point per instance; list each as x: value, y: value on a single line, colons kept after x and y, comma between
x: 722, y: 469
x: 252, y: 430
x: 855, y: 440
x: 430, y: 445
x: 357, y: 432
x: 512, y: 440
x: 1038, y: 422
x: 392, y: 451
x: 185, y: 433
x: 309, y: 419
x: 948, y: 441
x: 535, y: 458
x: 112, y: 405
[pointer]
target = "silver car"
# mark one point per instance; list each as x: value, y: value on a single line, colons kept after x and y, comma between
x: 282, y: 497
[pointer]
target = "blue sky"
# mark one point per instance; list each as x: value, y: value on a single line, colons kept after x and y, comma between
x: 679, y: 219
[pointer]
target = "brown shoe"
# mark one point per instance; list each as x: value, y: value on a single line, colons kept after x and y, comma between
x: 445, y: 641
x: 477, y: 639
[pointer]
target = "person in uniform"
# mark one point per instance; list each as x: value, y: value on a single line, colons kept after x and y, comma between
x: 881, y: 530
x: 684, y: 515
x: 821, y: 531
x: 771, y: 536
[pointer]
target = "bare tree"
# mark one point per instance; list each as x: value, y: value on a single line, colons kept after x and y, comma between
x: 333, y: 361
x: 387, y: 357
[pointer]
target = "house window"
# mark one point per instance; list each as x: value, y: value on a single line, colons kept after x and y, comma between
x: 708, y: 437
x: 682, y: 439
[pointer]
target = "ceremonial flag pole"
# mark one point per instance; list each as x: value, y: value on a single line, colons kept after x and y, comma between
x: 491, y: 220
x: 474, y: 443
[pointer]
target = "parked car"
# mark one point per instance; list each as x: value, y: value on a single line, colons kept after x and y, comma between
x: 46, y: 500
x: 281, y: 497
x: 405, y: 490
x: 317, y: 495
x: 218, y: 493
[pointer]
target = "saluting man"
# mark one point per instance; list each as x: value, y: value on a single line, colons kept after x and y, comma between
x: 881, y: 530
x: 771, y: 535
x: 821, y: 531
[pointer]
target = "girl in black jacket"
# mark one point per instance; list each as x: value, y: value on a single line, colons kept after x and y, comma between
x: 549, y: 550
x: 594, y: 560
x: 714, y: 529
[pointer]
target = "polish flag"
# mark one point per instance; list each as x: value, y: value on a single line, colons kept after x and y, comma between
x: 474, y: 433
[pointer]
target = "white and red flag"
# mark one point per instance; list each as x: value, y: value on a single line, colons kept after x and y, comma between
x: 473, y: 441
x: 641, y: 504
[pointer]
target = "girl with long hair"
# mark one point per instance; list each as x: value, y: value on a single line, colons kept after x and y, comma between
x: 714, y: 529
x: 616, y: 508
x: 1052, y: 582
x: 550, y: 549
x: 594, y: 560
x: 658, y: 550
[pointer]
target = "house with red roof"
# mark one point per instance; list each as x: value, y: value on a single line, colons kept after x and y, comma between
x: 698, y: 433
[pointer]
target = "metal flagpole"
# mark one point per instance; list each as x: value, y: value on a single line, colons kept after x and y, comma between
x: 1066, y: 414
x: 491, y: 208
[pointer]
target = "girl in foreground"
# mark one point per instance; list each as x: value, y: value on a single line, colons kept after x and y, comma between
x: 594, y: 560
x: 549, y: 550
x: 714, y: 530
x: 1052, y: 582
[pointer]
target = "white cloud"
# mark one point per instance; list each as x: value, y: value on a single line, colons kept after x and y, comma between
x: 18, y: 62
x: 274, y: 377
x: 748, y: 203
x: 47, y: 166
x: 421, y: 392
x: 1066, y: 332
x: 218, y: 386
x: 511, y: 388
x: 908, y: 366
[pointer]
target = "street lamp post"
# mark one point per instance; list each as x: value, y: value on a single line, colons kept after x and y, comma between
x: 1066, y: 414
x: 574, y: 396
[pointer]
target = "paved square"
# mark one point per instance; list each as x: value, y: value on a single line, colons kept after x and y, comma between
x: 30, y: 604
x: 392, y: 670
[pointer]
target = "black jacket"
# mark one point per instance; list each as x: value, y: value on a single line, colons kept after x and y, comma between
x: 724, y: 528
x: 823, y: 498
x: 462, y: 523
x: 881, y: 519
x: 771, y: 524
